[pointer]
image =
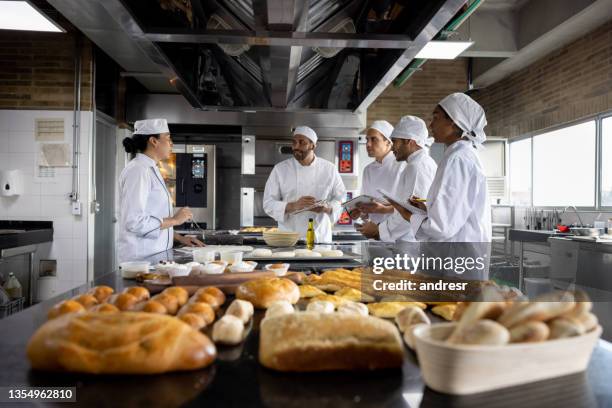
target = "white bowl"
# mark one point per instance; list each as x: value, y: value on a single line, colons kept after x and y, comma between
x: 213, y: 268
x: 129, y: 270
x: 281, y: 271
x: 232, y: 257
x: 467, y: 369
x: 243, y: 267
x: 204, y: 255
x: 281, y: 238
x: 178, y: 270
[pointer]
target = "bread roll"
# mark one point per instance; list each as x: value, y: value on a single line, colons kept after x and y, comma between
x: 170, y: 302
x: 308, y: 291
x: 119, y: 343
x: 65, y: 307
x: 335, y: 300
x: 102, y: 293
x: 588, y: 320
x: 228, y: 330
x: 320, y: 306
x: 529, y: 332
x: 124, y: 301
x: 583, y: 304
x: 104, y: 308
x: 202, y: 309
x: 194, y: 320
x: 446, y: 311
x: 409, y: 316
x: 264, y: 291
x: 214, y: 291
x: 153, y: 306
x: 179, y: 293
x: 139, y: 292
x: 483, y: 332
x: 87, y: 300
x: 308, y: 341
x: 353, y: 308
x: 278, y: 308
x: 241, y: 309
x: 354, y: 295
x: 390, y: 309
x: 473, y: 312
x: 206, y: 298
x: 563, y: 327
x: 542, y: 308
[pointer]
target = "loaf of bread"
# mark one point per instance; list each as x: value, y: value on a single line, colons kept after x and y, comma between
x: 353, y: 308
x: 228, y: 330
x: 484, y: 332
x: 264, y: 291
x: 529, y: 332
x: 308, y: 291
x: 354, y: 294
x: 152, y: 306
x: 179, y: 293
x: 119, y: 343
x: 310, y: 341
x: 87, y: 300
x: 278, y: 308
x: 123, y: 301
x: 194, y: 320
x: 542, y: 308
x: 202, y: 309
x: 473, y: 312
x: 390, y: 309
x: 102, y: 292
x: 105, y: 308
x: 320, y: 306
x: 65, y: 307
x: 211, y: 291
x: 170, y: 302
x: 139, y: 292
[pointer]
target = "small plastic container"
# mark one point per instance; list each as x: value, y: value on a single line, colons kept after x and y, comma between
x: 214, y: 268
x: 243, y: 267
x: 129, y: 270
x: 231, y: 257
x: 279, y: 269
x: 204, y: 255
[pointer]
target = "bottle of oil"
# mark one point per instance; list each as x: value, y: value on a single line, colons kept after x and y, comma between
x: 13, y: 287
x: 310, y: 234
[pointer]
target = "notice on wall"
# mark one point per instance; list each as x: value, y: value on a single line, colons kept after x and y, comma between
x: 54, y: 155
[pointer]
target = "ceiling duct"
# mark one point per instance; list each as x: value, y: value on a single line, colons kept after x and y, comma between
x: 216, y: 22
x: 345, y: 26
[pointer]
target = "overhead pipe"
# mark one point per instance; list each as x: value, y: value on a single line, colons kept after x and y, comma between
x: 448, y: 30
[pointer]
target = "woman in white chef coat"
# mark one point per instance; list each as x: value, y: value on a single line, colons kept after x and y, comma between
x: 383, y: 173
x: 146, y: 221
x: 301, y: 181
x: 457, y: 206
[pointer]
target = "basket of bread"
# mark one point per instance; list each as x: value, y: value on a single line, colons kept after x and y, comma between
x: 502, y: 343
x: 278, y: 238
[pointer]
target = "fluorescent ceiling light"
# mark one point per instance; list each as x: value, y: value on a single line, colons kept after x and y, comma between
x: 443, y: 49
x: 21, y: 15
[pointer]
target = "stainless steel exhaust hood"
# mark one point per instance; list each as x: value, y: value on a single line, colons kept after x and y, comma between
x: 290, y: 57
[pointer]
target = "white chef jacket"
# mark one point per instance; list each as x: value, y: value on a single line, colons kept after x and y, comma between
x: 385, y: 175
x: 458, y: 208
x: 289, y: 181
x: 415, y: 180
x: 144, y: 203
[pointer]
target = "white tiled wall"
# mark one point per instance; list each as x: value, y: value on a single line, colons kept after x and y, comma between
x: 47, y: 199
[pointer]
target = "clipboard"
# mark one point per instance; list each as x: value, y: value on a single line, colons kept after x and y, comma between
x: 350, y: 205
x: 404, y: 204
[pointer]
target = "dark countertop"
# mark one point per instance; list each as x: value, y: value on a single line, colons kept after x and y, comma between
x: 525, y: 235
x: 30, y: 233
x: 236, y: 379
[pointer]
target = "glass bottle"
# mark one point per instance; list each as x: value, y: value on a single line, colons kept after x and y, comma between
x: 310, y: 234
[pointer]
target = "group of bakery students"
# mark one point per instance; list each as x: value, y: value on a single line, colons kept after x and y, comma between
x: 451, y: 195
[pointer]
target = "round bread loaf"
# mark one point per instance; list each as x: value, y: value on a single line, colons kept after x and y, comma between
x: 87, y: 300
x: 170, y: 302
x: 214, y: 292
x: 102, y: 293
x: 64, y: 307
x: 279, y: 308
x: 104, y: 308
x: 124, y: 301
x: 179, y: 293
x: 138, y: 291
x: 264, y: 291
x: 320, y: 306
x: 241, y: 309
x: 153, y: 306
x: 228, y: 330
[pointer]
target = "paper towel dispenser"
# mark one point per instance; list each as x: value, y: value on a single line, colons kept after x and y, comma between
x: 11, y: 182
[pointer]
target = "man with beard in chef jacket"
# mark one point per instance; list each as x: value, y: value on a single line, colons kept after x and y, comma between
x: 146, y: 217
x: 410, y: 145
x: 384, y: 172
x: 298, y: 183
x: 457, y: 206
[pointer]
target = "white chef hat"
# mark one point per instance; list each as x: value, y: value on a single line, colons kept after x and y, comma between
x: 411, y: 127
x: 384, y: 127
x: 151, y: 127
x: 468, y: 115
x: 307, y: 132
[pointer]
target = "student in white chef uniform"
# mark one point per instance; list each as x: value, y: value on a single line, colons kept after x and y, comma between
x: 299, y: 182
x: 145, y: 208
x: 384, y: 172
x: 410, y: 146
x: 458, y: 208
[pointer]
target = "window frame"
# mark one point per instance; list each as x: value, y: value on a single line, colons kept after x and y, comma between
x: 598, y: 119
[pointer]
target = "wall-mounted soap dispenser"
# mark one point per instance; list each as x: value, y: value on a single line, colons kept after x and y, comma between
x: 11, y: 182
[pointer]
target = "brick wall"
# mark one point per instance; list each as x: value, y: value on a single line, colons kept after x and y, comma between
x: 421, y: 92
x: 37, y: 71
x: 568, y: 84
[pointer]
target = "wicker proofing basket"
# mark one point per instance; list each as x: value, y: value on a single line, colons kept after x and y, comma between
x: 467, y: 369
